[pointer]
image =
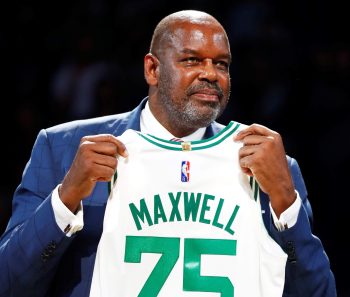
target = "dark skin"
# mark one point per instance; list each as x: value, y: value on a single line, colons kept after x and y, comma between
x: 263, y: 156
x: 94, y: 161
x: 188, y: 77
x: 195, y: 68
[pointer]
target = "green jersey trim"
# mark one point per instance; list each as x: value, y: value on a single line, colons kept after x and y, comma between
x: 177, y: 146
x: 195, y: 145
x: 255, y: 187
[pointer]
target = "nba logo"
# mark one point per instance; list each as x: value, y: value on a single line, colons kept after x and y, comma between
x: 185, y: 171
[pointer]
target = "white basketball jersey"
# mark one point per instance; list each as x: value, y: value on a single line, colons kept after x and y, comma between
x: 183, y: 220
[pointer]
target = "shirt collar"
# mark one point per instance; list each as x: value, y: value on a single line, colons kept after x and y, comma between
x: 149, y: 124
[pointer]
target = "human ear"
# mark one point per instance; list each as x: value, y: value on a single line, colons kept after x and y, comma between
x: 151, y: 69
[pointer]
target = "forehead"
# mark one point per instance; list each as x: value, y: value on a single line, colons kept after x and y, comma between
x: 203, y: 36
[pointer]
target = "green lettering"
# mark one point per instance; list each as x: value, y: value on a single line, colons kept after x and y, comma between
x: 175, y: 204
x: 232, y: 218
x: 217, y: 215
x: 191, y: 205
x: 159, y: 212
x: 205, y: 208
x: 140, y: 214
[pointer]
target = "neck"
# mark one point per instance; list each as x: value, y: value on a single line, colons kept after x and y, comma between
x: 179, y: 131
x: 176, y: 129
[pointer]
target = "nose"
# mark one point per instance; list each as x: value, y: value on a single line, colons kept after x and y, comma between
x: 208, y: 71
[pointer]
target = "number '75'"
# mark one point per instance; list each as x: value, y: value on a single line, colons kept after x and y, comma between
x: 169, y: 247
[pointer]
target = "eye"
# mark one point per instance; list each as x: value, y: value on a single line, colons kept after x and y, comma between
x: 191, y: 60
x: 223, y: 65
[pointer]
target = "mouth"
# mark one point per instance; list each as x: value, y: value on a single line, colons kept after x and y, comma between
x: 210, y: 95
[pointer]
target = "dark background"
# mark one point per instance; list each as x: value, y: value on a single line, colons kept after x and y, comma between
x: 290, y: 72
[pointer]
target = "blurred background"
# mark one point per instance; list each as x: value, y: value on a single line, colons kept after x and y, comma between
x: 65, y: 60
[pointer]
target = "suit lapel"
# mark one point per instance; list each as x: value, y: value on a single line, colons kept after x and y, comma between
x: 131, y: 120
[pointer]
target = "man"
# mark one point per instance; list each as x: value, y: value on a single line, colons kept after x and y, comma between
x: 50, y: 243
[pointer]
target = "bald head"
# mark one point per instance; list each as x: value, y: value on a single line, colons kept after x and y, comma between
x: 165, y: 29
x: 187, y: 71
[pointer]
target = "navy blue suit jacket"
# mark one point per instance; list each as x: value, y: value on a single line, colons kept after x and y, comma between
x: 38, y: 259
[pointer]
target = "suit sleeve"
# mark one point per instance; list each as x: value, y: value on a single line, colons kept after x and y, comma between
x: 308, y: 270
x: 32, y: 245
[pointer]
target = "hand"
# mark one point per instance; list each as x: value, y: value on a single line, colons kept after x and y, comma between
x: 263, y: 156
x: 94, y: 161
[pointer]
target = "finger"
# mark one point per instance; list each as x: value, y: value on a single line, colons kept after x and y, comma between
x: 247, y: 171
x: 103, y: 173
x: 108, y: 138
x: 245, y: 164
x: 254, y: 129
x: 102, y: 168
x: 107, y: 161
x: 103, y: 148
x: 121, y: 149
x: 254, y: 139
x: 247, y: 151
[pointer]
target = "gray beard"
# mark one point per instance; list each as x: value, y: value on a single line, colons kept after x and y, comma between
x: 187, y: 115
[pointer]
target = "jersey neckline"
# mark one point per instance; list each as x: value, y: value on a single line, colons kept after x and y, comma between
x: 192, y: 145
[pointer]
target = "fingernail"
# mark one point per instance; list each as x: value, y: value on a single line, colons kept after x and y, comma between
x: 126, y: 153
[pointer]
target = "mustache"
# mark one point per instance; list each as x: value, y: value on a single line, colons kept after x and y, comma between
x: 205, y: 85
